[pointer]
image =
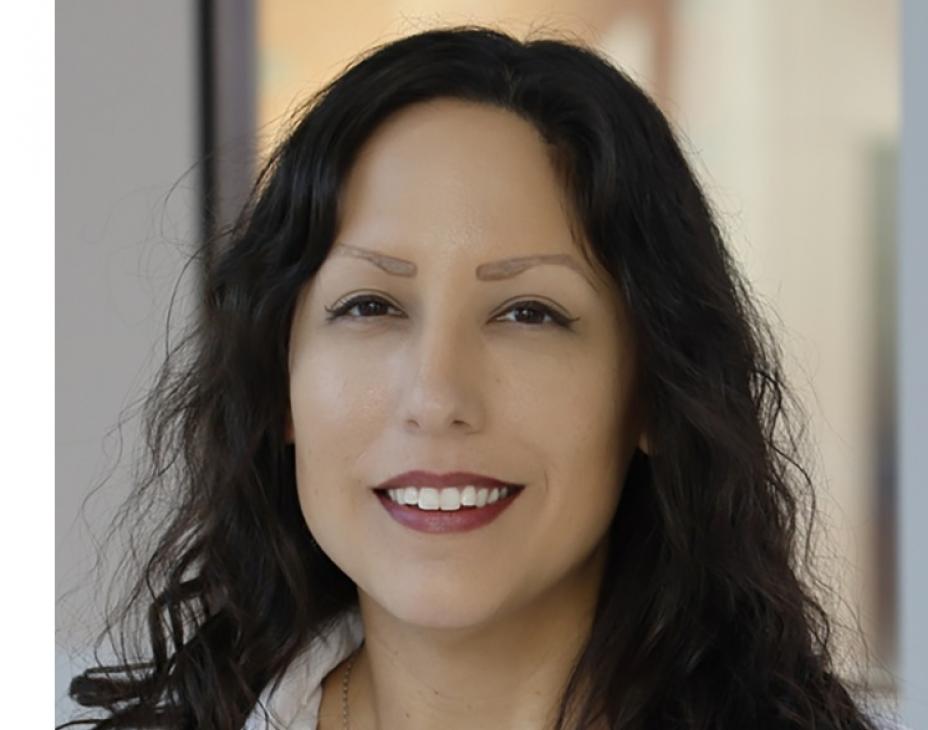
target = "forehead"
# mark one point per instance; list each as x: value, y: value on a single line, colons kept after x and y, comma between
x: 445, y: 131
x: 456, y: 171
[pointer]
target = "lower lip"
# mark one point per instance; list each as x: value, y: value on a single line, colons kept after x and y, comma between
x: 461, y: 520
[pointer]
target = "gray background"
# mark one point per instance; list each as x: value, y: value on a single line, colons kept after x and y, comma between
x: 913, y: 367
x: 127, y: 131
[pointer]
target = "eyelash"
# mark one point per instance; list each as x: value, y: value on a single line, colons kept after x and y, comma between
x: 558, y: 320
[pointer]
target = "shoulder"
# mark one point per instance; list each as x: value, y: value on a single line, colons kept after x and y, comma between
x: 887, y: 722
x: 883, y: 714
x: 293, y: 700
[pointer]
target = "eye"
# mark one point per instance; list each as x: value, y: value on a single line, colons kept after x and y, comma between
x: 539, y: 310
x: 375, y: 307
x: 341, y: 309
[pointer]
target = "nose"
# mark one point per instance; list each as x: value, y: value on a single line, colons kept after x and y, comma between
x: 442, y: 391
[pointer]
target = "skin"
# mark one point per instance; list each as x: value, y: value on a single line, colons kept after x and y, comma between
x: 475, y: 629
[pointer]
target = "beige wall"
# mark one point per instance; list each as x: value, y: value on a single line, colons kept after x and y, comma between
x: 303, y: 45
x: 787, y: 107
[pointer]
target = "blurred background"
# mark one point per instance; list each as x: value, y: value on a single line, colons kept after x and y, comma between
x: 789, y: 111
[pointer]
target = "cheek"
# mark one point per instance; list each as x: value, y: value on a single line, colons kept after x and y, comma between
x: 334, y: 420
x: 584, y: 436
x: 585, y: 456
x: 333, y: 398
x: 577, y: 407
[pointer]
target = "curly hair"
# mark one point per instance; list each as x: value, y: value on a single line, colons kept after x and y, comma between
x: 703, y: 619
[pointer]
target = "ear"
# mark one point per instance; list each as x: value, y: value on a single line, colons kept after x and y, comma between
x: 643, y: 443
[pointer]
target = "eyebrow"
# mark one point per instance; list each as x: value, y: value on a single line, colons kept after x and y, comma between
x: 489, y: 271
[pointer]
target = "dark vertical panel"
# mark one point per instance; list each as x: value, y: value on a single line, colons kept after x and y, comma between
x: 228, y: 56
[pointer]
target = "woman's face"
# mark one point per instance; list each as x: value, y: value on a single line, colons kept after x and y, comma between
x: 443, y: 374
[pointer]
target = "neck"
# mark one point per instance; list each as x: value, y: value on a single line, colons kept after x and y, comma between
x: 508, y: 671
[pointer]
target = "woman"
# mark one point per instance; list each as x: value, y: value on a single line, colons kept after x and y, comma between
x: 479, y: 429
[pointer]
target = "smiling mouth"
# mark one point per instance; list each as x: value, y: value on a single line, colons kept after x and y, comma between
x: 436, y: 512
x: 449, y: 499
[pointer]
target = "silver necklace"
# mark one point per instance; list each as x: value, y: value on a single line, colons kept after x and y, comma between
x: 345, y: 689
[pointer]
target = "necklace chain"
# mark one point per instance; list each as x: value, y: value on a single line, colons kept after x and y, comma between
x: 345, y: 682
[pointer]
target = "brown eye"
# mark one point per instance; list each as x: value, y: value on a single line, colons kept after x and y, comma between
x: 368, y: 307
x: 536, y: 315
x: 536, y: 312
x: 528, y: 312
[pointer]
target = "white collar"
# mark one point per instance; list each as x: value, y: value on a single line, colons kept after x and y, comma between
x: 293, y: 704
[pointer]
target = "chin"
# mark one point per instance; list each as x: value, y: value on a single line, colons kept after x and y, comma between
x: 437, y: 620
x: 428, y: 606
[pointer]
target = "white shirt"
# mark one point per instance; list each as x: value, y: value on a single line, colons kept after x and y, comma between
x: 294, y: 704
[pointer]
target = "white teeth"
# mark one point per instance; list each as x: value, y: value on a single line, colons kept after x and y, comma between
x: 448, y: 499
x: 428, y: 498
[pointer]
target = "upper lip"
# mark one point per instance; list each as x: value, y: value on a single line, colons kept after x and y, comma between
x: 420, y: 478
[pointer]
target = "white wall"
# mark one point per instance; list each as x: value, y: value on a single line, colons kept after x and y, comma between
x: 126, y: 131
